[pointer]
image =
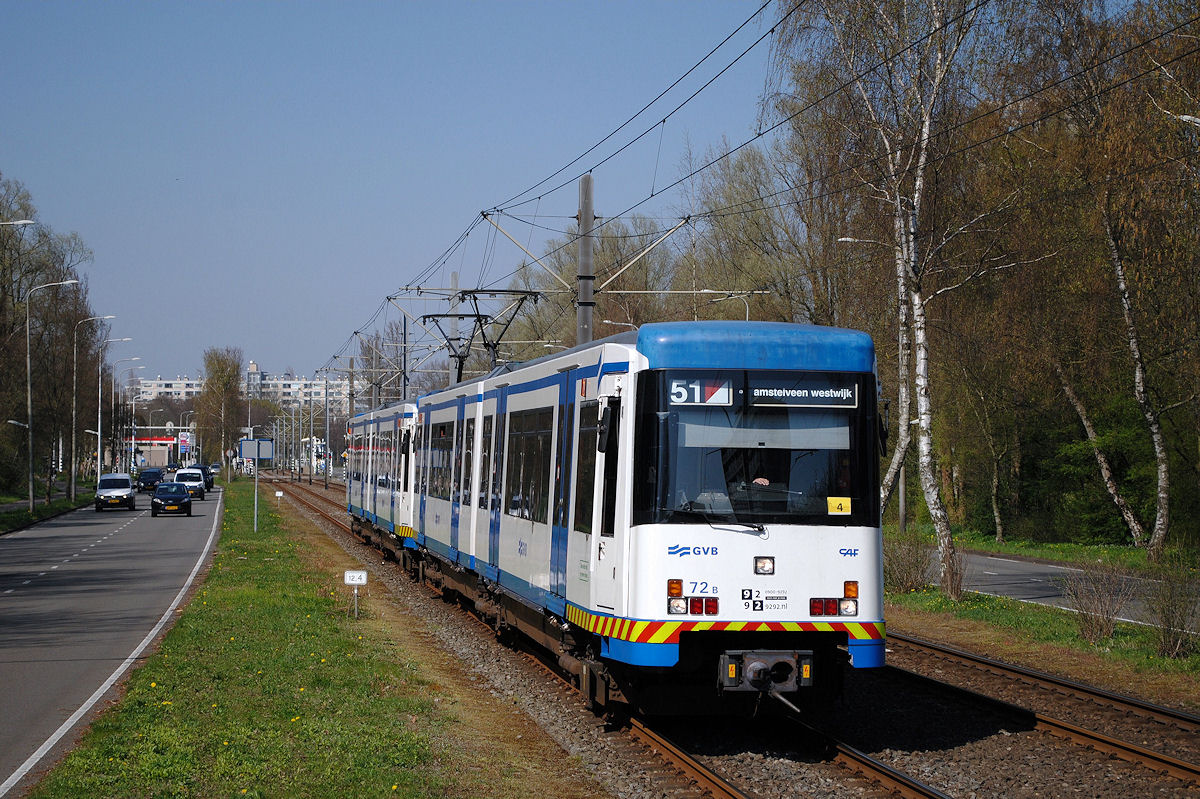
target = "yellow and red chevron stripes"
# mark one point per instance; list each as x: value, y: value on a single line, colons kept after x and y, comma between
x: 667, y: 632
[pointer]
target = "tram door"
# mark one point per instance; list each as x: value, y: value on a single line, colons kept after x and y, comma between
x: 607, y: 546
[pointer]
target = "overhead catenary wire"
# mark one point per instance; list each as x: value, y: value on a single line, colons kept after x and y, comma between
x: 758, y: 204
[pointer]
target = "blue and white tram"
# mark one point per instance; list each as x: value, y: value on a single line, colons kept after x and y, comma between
x: 684, y: 512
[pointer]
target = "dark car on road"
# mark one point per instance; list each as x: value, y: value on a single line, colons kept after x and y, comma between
x: 171, y: 498
x: 147, y: 479
x: 209, y: 475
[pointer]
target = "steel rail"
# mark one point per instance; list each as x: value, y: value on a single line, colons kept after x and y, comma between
x: 1129, y: 752
x: 1167, y: 714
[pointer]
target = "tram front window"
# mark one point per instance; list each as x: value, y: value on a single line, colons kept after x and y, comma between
x: 749, y: 451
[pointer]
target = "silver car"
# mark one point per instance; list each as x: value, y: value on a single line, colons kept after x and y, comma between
x: 193, y: 479
x: 116, y: 490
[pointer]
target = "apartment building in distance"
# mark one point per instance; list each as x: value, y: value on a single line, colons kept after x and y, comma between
x: 286, y: 389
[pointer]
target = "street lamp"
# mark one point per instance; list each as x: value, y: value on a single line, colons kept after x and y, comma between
x: 29, y: 376
x: 19, y: 222
x: 178, y: 447
x: 113, y: 408
x: 619, y: 324
x: 132, y: 418
x: 75, y: 392
x: 100, y: 402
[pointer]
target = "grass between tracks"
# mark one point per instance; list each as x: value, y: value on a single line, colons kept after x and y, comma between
x: 266, y: 686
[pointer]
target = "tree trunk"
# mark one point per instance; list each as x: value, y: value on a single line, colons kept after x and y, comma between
x: 926, y: 462
x: 1114, y: 491
x: 903, y: 398
x: 1162, y: 503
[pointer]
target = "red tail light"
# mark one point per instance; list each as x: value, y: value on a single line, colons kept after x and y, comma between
x: 816, y: 607
x: 831, y: 607
x: 710, y: 606
x: 695, y: 605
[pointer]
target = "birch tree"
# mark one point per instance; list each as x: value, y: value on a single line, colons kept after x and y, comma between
x: 906, y: 69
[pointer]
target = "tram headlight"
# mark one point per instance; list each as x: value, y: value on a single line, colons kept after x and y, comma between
x: 764, y: 565
x: 677, y: 605
x: 848, y: 607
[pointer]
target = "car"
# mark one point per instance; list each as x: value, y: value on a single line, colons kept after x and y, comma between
x: 171, y: 498
x: 147, y: 479
x: 209, y: 475
x: 214, y: 468
x: 114, y: 490
x: 194, y: 480
x: 173, y: 466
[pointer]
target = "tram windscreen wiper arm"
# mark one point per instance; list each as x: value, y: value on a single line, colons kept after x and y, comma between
x: 712, y: 521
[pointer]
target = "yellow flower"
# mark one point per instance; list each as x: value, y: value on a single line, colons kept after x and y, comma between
x: 153, y: 685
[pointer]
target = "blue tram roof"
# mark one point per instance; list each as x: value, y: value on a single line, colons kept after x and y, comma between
x: 755, y: 345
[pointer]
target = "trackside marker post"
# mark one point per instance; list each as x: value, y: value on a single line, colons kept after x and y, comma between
x: 256, y: 449
x: 356, y: 578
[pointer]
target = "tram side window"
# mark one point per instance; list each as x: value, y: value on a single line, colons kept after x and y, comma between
x: 382, y: 456
x: 464, y: 496
x: 529, y: 455
x: 611, y: 455
x: 497, y: 498
x: 485, y: 470
x: 441, y: 451
x: 585, y: 471
x: 402, y: 460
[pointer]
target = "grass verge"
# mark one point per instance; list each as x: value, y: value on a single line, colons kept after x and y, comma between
x: 265, y: 686
x: 16, y: 519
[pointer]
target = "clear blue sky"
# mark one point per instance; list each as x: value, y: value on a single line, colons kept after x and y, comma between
x: 262, y: 174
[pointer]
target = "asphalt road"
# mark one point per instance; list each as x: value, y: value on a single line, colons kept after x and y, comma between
x: 81, y: 598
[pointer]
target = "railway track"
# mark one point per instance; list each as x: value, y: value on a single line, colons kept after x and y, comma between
x: 1104, y: 742
x: 689, y: 777
x: 680, y: 775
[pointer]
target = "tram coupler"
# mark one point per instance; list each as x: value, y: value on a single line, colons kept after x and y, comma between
x: 752, y: 670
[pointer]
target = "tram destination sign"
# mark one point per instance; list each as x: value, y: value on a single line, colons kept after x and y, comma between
x: 823, y: 391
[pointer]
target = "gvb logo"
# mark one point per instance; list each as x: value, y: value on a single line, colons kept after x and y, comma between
x: 682, y: 551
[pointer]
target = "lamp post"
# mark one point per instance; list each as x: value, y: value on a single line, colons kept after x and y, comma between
x: 178, y: 450
x: 29, y: 376
x: 150, y: 425
x: 113, y: 407
x: 100, y: 402
x: 75, y: 392
x: 132, y: 421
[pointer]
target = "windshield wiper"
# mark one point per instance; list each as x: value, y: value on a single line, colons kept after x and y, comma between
x: 713, y: 521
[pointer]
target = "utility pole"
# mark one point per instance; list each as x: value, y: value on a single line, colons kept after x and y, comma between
x: 587, y: 276
x: 453, y: 363
x: 328, y: 460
